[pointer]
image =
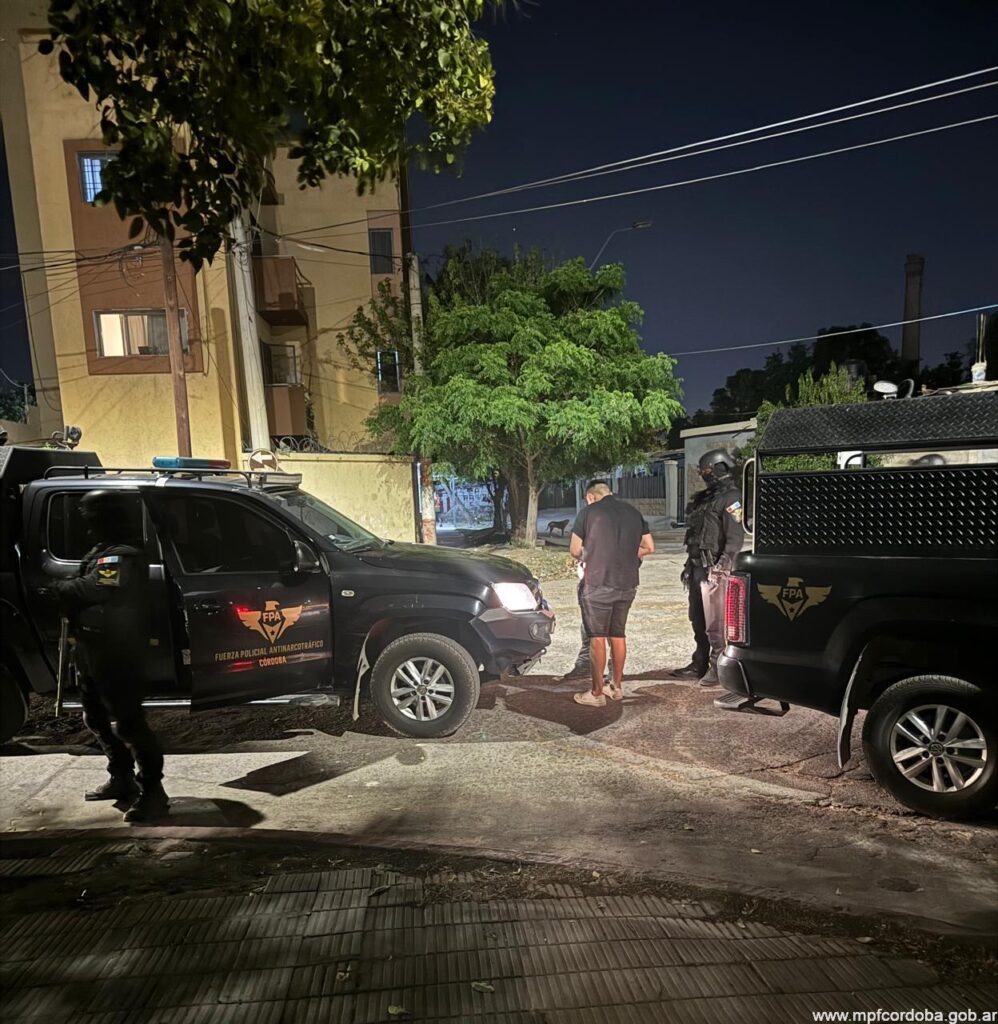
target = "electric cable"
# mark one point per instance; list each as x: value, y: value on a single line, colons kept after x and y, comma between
x: 834, y: 334
x: 707, y: 177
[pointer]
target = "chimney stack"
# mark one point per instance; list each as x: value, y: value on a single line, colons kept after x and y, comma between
x: 911, y: 342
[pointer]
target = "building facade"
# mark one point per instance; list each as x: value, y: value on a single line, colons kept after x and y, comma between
x: 94, y: 301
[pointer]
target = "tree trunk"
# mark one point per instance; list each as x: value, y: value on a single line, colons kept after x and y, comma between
x: 517, y: 508
x: 498, y: 495
x: 427, y: 502
x: 530, y: 525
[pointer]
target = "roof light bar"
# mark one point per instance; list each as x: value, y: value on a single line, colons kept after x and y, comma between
x: 176, y: 462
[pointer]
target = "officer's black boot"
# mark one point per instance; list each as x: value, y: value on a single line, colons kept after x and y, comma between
x: 117, y: 787
x: 690, y: 671
x: 151, y: 804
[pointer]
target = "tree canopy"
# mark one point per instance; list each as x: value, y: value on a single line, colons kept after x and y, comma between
x: 198, y: 96
x: 542, y: 377
x: 834, y: 387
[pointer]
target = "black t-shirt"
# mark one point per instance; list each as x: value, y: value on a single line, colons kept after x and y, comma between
x: 611, y: 533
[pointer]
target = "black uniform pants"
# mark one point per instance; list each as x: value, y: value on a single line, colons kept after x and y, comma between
x: 698, y: 617
x: 112, y: 711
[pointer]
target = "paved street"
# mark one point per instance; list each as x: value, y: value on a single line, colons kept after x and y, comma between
x: 662, y: 784
x: 184, y: 933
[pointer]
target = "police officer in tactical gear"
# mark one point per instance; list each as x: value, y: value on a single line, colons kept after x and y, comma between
x: 714, y: 535
x: 108, y: 608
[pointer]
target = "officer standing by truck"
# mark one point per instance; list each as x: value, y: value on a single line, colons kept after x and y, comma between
x: 108, y: 607
x: 714, y: 535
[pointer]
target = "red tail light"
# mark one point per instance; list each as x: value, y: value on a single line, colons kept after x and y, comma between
x: 736, y: 611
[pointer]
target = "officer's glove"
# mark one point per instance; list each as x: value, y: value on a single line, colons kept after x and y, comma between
x: 685, y: 576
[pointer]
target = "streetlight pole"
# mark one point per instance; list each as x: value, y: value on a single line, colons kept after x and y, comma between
x: 638, y: 225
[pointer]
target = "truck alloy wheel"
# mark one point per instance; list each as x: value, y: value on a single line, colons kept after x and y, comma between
x: 938, y: 748
x: 422, y: 689
x: 932, y: 741
x: 425, y: 685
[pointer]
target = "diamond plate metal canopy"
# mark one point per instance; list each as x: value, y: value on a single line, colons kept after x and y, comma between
x: 950, y: 511
x: 944, y: 421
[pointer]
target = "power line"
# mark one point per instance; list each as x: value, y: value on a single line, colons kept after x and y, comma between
x: 569, y: 179
x: 589, y: 171
x: 707, y: 177
x: 675, y: 149
x: 835, y: 334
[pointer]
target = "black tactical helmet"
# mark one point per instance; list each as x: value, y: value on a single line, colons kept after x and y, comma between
x: 935, y: 459
x: 107, y: 507
x: 716, y: 463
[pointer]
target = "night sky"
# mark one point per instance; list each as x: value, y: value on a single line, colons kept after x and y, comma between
x: 766, y: 256
x: 754, y: 258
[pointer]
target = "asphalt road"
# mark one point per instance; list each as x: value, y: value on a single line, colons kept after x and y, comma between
x: 661, y: 784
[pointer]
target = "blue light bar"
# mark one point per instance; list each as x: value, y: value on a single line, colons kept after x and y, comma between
x: 176, y: 462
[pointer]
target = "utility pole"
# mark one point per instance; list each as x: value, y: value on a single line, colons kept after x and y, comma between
x: 244, y: 295
x: 176, y: 347
x: 427, y: 494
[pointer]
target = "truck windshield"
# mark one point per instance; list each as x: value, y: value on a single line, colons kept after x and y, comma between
x: 318, y: 516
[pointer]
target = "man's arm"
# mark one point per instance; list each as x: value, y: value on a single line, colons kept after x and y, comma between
x: 647, y: 545
x: 578, y: 534
x: 101, y: 584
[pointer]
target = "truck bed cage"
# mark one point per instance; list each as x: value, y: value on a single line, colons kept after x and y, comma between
x: 933, y: 423
x: 252, y: 477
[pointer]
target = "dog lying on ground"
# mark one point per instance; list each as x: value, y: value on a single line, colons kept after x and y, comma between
x: 557, y: 524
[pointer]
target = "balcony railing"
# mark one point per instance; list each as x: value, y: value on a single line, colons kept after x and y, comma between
x: 280, y: 295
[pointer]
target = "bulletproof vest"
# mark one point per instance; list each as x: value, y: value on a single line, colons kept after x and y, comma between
x: 704, y: 530
x: 118, y: 626
x: 696, y: 514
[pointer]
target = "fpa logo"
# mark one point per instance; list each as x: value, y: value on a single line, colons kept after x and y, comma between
x: 271, y: 623
x: 793, y: 598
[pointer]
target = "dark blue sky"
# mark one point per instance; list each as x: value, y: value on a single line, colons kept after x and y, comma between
x: 765, y: 256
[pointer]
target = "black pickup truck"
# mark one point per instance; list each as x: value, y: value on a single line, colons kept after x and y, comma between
x: 875, y: 587
x: 262, y: 593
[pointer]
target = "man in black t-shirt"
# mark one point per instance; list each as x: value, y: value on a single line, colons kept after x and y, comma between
x: 610, y: 537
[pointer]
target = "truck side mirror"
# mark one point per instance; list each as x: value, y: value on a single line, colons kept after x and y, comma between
x: 306, y: 560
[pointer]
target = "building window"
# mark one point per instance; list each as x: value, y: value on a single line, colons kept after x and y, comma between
x: 92, y: 173
x: 280, y: 364
x: 135, y: 332
x: 389, y: 372
x: 379, y: 243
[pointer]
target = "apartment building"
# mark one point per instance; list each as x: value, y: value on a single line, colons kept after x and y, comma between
x: 95, y: 308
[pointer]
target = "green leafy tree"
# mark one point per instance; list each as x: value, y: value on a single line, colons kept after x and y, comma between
x: 835, y: 387
x: 198, y: 96
x: 541, y: 379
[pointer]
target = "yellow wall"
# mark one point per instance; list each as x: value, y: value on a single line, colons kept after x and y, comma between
x: 373, y: 490
x: 342, y: 396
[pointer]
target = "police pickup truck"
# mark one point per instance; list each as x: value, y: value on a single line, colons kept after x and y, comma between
x: 262, y: 593
x: 874, y: 587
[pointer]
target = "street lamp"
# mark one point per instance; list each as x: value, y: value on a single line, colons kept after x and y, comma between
x: 638, y: 225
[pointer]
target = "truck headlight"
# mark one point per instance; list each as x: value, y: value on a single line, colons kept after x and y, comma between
x: 515, y: 597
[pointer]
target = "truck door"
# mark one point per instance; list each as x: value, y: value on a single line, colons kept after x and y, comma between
x: 255, y: 598
x: 55, y: 542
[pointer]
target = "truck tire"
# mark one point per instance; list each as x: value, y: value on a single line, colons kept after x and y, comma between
x: 13, y: 706
x: 425, y: 685
x: 932, y: 742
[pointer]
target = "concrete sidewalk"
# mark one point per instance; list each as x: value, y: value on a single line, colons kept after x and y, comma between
x: 364, y: 944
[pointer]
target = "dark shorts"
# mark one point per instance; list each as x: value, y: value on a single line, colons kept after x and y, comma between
x: 604, y: 610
